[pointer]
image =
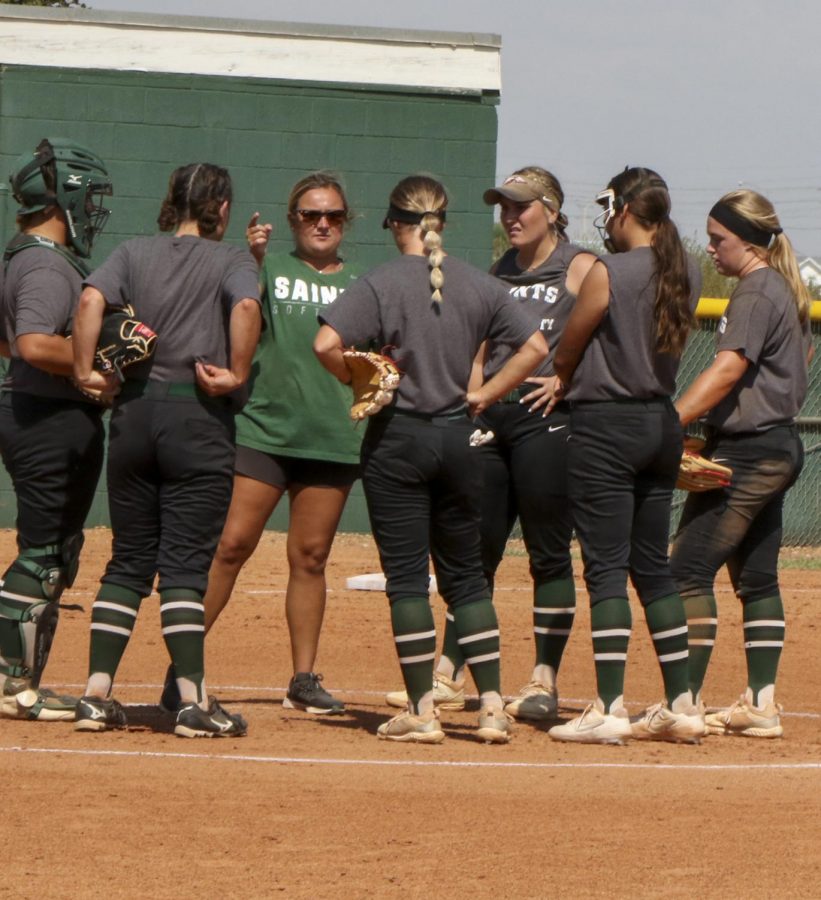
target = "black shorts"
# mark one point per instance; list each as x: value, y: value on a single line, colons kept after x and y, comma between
x: 283, y: 471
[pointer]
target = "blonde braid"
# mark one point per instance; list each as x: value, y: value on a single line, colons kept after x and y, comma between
x: 426, y: 196
x: 433, y: 244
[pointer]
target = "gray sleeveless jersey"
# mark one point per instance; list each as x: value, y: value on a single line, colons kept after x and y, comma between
x: 621, y: 361
x: 542, y: 294
x: 434, y: 344
x: 761, y: 322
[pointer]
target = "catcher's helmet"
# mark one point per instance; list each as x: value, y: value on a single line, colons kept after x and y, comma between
x: 68, y: 175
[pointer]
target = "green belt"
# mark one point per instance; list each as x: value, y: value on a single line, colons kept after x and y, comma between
x: 390, y: 411
x: 166, y: 390
x: 517, y: 393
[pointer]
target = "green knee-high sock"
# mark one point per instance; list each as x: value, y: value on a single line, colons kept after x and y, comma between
x: 182, y: 617
x: 668, y: 629
x: 414, y: 633
x: 477, y: 630
x: 702, y: 625
x: 113, y: 617
x: 610, y: 623
x: 451, y: 649
x: 763, y: 641
x: 554, y: 607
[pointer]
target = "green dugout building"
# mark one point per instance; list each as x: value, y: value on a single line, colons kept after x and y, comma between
x: 270, y: 101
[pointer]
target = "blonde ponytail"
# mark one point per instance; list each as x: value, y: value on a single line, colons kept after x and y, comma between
x: 781, y: 257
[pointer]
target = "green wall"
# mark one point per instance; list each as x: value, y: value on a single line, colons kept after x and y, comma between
x: 268, y: 134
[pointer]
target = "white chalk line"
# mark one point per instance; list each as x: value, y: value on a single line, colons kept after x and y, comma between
x: 396, y: 763
x: 352, y: 692
x: 505, y: 590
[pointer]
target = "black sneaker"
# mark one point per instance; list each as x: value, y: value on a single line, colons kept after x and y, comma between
x: 305, y: 692
x: 170, y: 698
x: 193, y: 721
x: 93, y: 714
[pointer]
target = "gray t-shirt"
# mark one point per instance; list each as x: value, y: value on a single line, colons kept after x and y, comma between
x: 621, y: 361
x: 39, y: 296
x: 184, y: 288
x: 433, y: 344
x: 543, y: 294
x: 761, y: 322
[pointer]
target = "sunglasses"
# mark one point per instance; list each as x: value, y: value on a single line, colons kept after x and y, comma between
x: 315, y: 216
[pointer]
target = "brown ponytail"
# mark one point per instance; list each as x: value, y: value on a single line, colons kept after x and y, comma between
x: 649, y: 200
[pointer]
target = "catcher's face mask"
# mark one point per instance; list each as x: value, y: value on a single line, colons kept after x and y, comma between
x: 81, y: 198
x: 610, y: 204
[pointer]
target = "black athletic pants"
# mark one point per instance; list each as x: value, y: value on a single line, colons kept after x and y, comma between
x: 422, y: 484
x: 740, y: 525
x: 525, y: 475
x: 622, y: 466
x: 170, y: 476
x: 53, y: 452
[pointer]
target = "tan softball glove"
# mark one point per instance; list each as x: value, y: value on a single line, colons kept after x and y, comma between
x: 374, y: 378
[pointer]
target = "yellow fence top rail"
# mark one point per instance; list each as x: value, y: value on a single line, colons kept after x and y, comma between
x: 713, y: 308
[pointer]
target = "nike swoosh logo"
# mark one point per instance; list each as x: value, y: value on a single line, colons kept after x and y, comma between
x: 556, y: 427
x: 720, y: 460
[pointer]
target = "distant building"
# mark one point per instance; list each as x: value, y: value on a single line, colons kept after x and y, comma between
x: 810, y: 270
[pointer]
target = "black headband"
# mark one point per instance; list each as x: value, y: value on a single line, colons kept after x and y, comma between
x: 395, y: 214
x: 725, y: 215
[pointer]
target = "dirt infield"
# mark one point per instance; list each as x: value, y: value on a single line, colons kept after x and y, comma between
x: 312, y: 808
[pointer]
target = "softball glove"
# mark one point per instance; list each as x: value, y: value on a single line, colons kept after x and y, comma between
x: 374, y: 378
x: 697, y: 473
x: 124, y: 341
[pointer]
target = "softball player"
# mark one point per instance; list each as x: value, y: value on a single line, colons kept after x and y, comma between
x: 294, y: 435
x: 421, y: 478
x: 171, y: 448
x: 617, y: 361
x: 525, y: 473
x: 751, y: 394
x: 51, y: 436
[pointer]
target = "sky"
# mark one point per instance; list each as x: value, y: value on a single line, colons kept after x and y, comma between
x: 712, y: 94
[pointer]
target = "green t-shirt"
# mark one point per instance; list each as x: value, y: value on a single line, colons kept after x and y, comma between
x: 296, y: 407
